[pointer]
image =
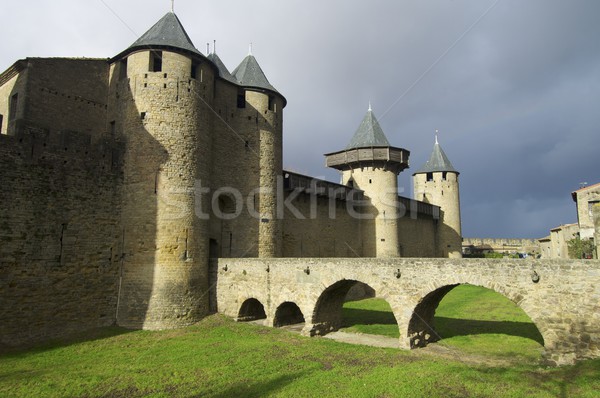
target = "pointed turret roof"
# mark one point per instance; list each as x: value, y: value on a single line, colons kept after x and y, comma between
x: 369, y: 133
x: 168, y: 32
x: 223, y: 71
x: 249, y: 74
x: 438, y: 161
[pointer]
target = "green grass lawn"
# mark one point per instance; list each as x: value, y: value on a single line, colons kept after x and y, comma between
x: 220, y: 358
x: 472, y: 319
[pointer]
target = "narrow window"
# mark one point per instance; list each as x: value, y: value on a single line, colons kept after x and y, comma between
x: 429, y: 176
x: 123, y: 69
x: 241, y: 99
x: 112, y: 128
x: 591, y: 204
x: 1, y: 119
x: 12, y: 109
x: 143, y: 115
x: 444, y: 175
x: 197, y: 72
x: 271, y: 103
x: 155, y: 61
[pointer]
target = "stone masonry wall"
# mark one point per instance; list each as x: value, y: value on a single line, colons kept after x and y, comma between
x: 68, y: 94
x: 327, y: 232
x: 60, y: 240
x: 560, y: 296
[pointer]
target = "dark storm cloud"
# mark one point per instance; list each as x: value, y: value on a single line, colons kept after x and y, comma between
x: 515, y: 98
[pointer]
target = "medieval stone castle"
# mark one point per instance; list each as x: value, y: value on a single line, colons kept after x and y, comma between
x: 121, y: 178
x: 147, y: 191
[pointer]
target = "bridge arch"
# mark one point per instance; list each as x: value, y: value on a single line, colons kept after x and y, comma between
x: 288, y: 313
x: 327, y: 314
x: 251, y: 310
x: 421, y: 326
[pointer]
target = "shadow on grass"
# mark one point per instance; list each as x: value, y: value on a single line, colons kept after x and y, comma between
x: 249, y: 389
x: 352, y: 317
x: 71, y: 339
x: 451, y: 327
x: 447, y: 327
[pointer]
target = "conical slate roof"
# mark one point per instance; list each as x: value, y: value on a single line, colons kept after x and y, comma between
x: 223, y: 72
x: 249, y: 74
x: 369, y: 133
x: 167, y: 32
x: 438, y: 161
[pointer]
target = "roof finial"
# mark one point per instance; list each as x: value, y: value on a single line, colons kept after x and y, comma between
x: 250, y: 49
x: 436, y: 136
x: 214, y: 46
x: 207, y: 48
x: 173, y: 6
x: 370, y: 109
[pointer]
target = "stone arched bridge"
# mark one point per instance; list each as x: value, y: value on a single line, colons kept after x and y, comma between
x: 562, y: 297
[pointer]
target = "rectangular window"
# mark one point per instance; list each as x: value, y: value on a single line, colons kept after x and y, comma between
x: 12, y: 108
x: 241, y: 99
x: 271, y: 103
x: 197, y: 72
x: 156, y: 61
x: 429, y: 176
x: 123, y: 69
x: 591, y: 204
x: 1, y: 120
x: 113, y: 129
x: 444, y: 176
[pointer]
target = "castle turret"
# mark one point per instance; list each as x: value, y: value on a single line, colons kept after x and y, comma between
x: 437, y: 183
x: 161, y: 89
x: 371, y: 164
x: 264, y: 108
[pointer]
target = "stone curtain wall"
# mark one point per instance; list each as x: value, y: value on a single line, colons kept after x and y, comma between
x: 564, y: 304
x: 60, y: 241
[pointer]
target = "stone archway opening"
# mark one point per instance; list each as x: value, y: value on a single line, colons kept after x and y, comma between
x: 251, y: 310
x: 288, y: 313
x: 328, y: 315
x: 469, y: 311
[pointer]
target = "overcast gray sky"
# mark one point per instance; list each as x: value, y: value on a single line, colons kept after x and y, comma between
x: 512, y: 85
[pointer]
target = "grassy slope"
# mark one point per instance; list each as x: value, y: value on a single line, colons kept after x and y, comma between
x: 220, y: 358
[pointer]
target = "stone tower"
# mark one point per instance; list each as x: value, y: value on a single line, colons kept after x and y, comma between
x: 263, y: 107
x: 437, y: 183
x: 161, y: 89
x: 371, y: 164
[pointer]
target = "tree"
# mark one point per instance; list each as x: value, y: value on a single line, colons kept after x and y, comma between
x: 581, y: 248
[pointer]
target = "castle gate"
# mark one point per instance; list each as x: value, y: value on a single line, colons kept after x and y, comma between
x: 562, y: 297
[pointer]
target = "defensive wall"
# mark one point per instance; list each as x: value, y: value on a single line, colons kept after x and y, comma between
x: 561, y: 297
x: 60, y: 241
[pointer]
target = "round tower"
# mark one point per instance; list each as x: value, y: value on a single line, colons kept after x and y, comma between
x: 263, y: 107
x: 160, y: 92
x: 369, y: 163
x: 437, y: 183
